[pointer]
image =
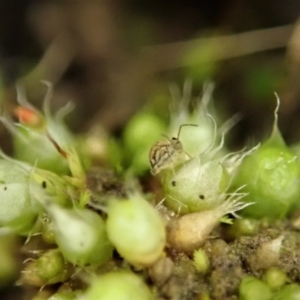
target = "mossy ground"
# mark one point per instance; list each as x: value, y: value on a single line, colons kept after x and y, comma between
x: 232, y: 256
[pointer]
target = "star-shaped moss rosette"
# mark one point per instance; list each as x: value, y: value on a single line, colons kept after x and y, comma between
x: 43, y: 140
x: 200, y: 180
x: 272, y: 178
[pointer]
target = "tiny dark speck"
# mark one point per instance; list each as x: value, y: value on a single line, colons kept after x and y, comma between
x: 173, y: 183
x: 44, y: 184
x: 201, y: 197
x: 5, y: 188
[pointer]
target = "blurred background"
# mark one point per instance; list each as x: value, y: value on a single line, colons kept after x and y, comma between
x: 111, y: 57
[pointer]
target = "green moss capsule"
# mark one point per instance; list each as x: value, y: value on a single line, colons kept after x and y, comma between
x: 202, y: 182
x: 243, y: 227
x: 136, y: 229
x: 18, y: 209
x: 24, y: 190
x: 118, y: 285
x: 201, y: 261
x: 275, y: 278
x: 161, y: 271
x: 272, y: 178
x: 49, y: 268
x: 35, y: 147
x: 194, y: 186
x: 80, y: 235
x: 200, y: 179
x: 252, y: 288
x: 289, y: 292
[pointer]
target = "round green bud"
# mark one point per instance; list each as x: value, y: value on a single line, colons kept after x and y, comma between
x: 275, y: 278
x: 52, y: 268
x: 118, y: 285
x: 243, y: 227
x: 272, y: 179
x: 136, y: 229
x: 142, y: 131
x: 80, y: 235
x: 252, y: 288
x: 201, y: 261
x: 289, y: 292
x: 140, y: 134
x: 161, y: 270
x: 49, y: 268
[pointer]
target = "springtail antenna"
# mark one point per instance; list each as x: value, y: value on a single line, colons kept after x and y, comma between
x: 178, y: 134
